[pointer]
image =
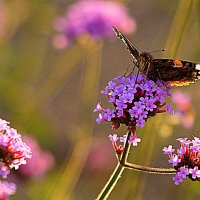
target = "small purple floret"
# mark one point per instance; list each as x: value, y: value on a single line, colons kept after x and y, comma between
x: 168, y: 150
x: 134, y: 140
x: 195, y: 172
x: 113, y: 138
x: 123, y: 139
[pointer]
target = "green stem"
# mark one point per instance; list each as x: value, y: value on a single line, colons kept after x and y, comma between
x: 111, y: 183
x: 117, y: 172
x: 126, y: 149
x: 154, y: 170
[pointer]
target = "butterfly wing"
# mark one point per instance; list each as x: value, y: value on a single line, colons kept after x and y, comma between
x: 174, y: 72
x: 132, y: 50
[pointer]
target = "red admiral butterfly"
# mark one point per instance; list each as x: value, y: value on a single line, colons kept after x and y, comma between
x: 174, y: 72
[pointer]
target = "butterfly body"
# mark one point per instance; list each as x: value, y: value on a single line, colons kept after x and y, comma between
x: 174, y: 72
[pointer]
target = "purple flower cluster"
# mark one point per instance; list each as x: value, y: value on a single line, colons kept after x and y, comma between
x: 6, y: 189
x: 93, y: 18
x: 13, y: 151
x: 187, y: 159
x: 134, y: 101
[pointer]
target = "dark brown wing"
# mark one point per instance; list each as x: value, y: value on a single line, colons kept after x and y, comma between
x: 132, y: 50
x: 174, y: 72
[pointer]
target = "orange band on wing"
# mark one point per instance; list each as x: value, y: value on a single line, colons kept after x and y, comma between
x: 182, y: 82
x: 178, y: 63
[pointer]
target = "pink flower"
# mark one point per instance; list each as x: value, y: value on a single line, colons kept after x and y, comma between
x: 94, y: 18
x: 41, y: 161
x: 13, y: 151
x: 101, y: 156
x: 183, y: 108
x: 181, y: 100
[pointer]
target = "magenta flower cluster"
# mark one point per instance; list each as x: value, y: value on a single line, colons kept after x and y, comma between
x: 94, y: 18
x: 13, y: 151
x: 134, y: 101
x: 187, y: 159
x: 6, y: 189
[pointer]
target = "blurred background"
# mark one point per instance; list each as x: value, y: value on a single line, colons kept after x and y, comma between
x: 55, y: 58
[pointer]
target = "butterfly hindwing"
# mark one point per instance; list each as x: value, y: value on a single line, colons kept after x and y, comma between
x: 175, y: 72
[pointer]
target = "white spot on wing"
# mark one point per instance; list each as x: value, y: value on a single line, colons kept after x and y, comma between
x: 197, y: 66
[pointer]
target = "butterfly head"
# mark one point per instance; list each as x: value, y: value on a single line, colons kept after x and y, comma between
x: 144, y: 59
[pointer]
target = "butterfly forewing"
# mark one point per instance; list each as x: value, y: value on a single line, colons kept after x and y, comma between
x: 132, y: 50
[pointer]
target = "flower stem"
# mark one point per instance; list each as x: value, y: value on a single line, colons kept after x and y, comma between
x: 154, y: 170
x: 126, y: 149
x: 111, y: 182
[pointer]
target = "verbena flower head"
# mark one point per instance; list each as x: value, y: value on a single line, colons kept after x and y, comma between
x: 93, y: 18
x: 6, y: 189
x: 134, y: 102
x: 187, y: 159
x: 13, y: 151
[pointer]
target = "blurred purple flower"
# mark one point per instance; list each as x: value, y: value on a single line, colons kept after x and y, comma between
x: 93, y: 18
x: 6, y: 189
x: 101, y: 156
x: 183, y: 108
x: 41, y: 161
x: 186, y: 161
x: 13, y: 151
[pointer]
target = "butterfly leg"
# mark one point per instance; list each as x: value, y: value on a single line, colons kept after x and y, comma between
x: 148, y: 67
x: 127, y: 70
x: 136, y: 77
x: 132, y: 71
x: 159, y: 74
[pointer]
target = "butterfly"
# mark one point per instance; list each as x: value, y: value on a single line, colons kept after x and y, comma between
x: 172, y: 71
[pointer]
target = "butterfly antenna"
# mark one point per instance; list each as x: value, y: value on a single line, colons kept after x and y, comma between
x: 158, y: 50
